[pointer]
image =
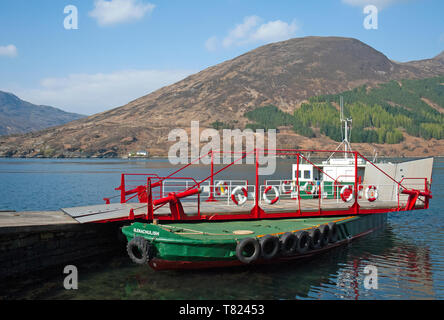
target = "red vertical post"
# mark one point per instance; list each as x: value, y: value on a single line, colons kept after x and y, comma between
x: 212, y: 174
x: 150, y: 209
x: 211, y: 197
x: 257, y: 184
x: 257, y: 211
x: 356, y: 205
x: 398, y: 194
x: 426, y: 189
x: 297, y: 184
x: 122, y: 189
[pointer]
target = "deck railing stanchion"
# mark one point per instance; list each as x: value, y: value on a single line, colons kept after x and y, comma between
x: 356, y: 205
x: 211, y: 197
x: 198, y: 199
x: 150, y: 211
x: 297, y: 184
x: 256, y: 191
x: 122, y: 189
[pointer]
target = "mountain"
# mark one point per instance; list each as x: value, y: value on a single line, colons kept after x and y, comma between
x: 381, y: 114
x: 428, y: 66
x: 18, y: 116
x: 284, y: 74
x: 440, y: 56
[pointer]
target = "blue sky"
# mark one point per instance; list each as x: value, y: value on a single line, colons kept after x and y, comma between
x: 124, y: 49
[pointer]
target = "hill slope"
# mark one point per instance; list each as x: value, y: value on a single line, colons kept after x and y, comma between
x: 283, y: 74
x: 18, y: 116
x: 380, y: 114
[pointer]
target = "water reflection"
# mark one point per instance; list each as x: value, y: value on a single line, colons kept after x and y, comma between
x: 404, y: 272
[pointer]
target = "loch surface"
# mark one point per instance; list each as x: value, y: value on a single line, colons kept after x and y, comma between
x: 408, y: 253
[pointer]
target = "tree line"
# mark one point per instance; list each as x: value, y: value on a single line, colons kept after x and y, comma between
x: 380, y: 114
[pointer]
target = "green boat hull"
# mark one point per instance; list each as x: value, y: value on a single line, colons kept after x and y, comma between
x: 214, y: 244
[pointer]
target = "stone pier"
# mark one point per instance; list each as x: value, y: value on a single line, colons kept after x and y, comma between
x: 33, y: 241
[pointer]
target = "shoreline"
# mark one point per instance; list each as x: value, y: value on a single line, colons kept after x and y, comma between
x: 166, y: 157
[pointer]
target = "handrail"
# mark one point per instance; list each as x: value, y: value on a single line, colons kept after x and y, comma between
x: 256, y: 212
x: 407, y: 178
x: 336, y: 180
x: 381, y: 170
x: 226, y: 167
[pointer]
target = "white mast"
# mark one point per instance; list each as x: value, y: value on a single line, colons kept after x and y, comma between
x: 346, y: 143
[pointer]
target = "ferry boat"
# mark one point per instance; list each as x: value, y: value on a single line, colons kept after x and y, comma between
x: 177, y: 221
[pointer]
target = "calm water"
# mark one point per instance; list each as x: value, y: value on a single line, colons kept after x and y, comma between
x: 408, y: 252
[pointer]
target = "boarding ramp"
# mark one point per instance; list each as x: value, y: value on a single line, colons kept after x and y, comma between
x: 410, y: 174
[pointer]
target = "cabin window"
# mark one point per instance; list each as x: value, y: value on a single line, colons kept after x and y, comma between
x: 316, y: 175
x: 299, y: 173
x: 306, y: 174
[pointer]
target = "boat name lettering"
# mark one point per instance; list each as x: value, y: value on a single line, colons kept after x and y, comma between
x: 149, y: 232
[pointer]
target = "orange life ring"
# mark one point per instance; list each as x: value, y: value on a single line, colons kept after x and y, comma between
x: 347, y: 193
x: 276, y: 193
x: 239, y: 195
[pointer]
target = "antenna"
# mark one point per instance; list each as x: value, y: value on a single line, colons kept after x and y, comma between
x: 347, y: 146
x: 341, y: 103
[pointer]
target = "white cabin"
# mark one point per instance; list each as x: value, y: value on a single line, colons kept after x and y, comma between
x: 339, y: 169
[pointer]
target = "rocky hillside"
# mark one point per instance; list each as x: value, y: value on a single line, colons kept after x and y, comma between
x: 18, y: 116
x: 283, y: 74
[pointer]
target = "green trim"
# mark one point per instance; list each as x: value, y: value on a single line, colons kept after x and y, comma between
x: 216, y: 241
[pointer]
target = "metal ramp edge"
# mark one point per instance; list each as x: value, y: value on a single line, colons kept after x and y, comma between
x: 102, y: 212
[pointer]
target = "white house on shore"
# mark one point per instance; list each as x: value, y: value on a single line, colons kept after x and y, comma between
x: 140, y: 153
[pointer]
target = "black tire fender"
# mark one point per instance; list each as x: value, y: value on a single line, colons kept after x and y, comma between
x: 325, y: 231
x: 248, y: 245
x: 139, y: 250
x: 315, y: 238
x: 288, y: 243
x: 303, y: 242
x: 269, y: 246
x: 334, y: 232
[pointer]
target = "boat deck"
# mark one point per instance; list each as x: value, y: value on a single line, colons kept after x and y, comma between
x: 221, y: 207
x: 229, y: 230
x: 120, y: 211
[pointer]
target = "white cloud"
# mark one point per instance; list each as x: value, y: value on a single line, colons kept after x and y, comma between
x: 380, y: 4
x: 118, y: 11
x: 8, y: 51
x: 275, y: 31
x: 211, y: 44
x: 252, y: 30
x: 93, y: 93
x: 242, y: 32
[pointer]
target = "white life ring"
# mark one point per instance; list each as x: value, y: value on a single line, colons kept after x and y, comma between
x: 239, y: 195
x: 286, y: 184
x: 276, y: 195
x: 347, y: 193
x: 221, y: 188
x: 371, y: 193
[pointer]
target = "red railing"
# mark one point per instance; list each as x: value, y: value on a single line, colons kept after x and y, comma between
x: 414, y: 194
x: 147, y: 192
